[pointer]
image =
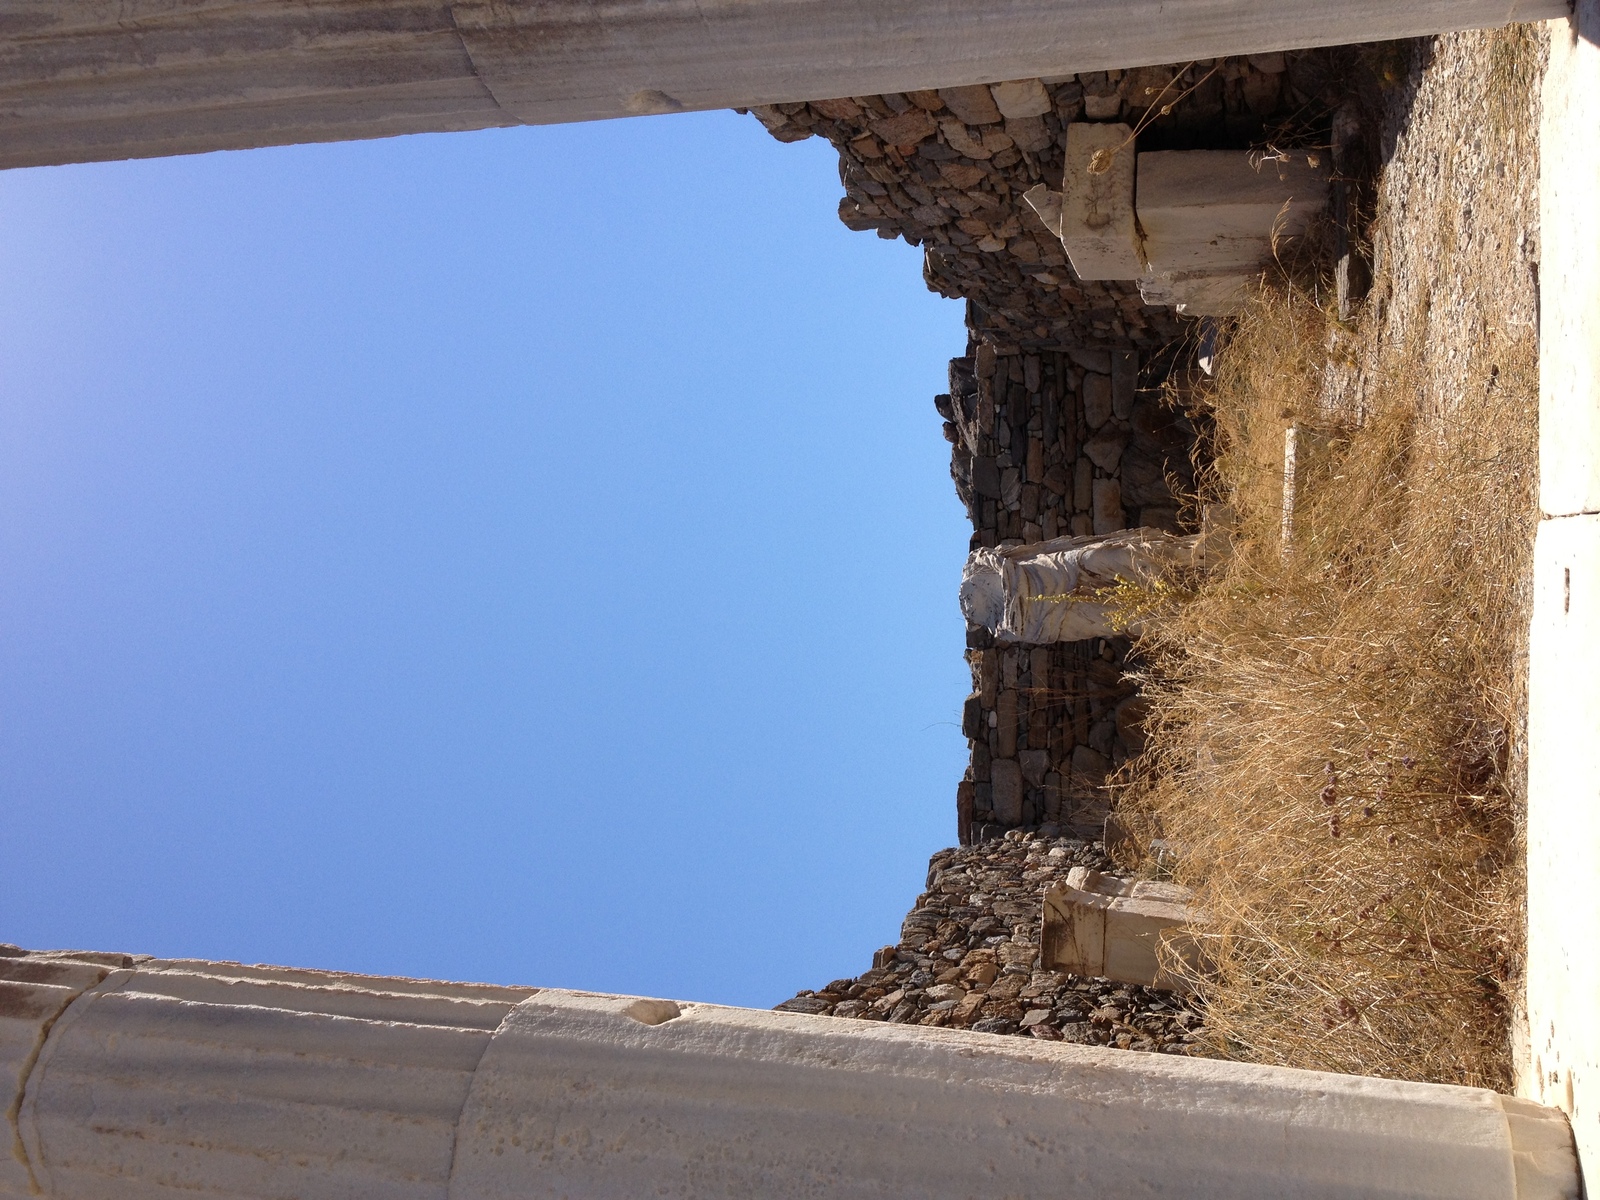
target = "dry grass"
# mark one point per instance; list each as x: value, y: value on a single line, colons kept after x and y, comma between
x: 1332, y: 729
x: 1335, y: 728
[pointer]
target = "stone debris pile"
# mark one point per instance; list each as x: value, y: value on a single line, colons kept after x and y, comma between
x: 968, y: 958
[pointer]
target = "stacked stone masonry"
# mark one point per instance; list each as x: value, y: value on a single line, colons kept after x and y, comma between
x: 1055, y: 414
x: 1045, y: 445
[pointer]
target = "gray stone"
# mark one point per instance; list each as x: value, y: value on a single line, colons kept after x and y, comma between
x: 1011, y: 487
x: 1082, y: 485
x: 1124, y: 383
x: 972, y: 716
x: 1006, y: 781
x: 1034, y: 764
x: 1091, y: 359
x: 1105, y: 450
x: 1088, y: 768
x: 1096, y: 398
x: 1101, y: 108
x: 986, y: 477
x: 1144, y: 476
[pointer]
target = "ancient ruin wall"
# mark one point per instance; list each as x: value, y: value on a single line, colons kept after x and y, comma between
x: 1054, y: 414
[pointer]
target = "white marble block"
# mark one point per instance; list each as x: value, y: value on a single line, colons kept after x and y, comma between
x: 1213, y: 220
x: 1104, y: 927
x: 1097, y: 225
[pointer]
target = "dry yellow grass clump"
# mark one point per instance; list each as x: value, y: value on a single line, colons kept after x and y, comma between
x: 1334, y: 724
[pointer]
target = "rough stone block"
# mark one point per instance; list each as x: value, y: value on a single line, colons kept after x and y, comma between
x: 1005, y: 782
x: 1102, y: 107
x: 1090, y: 359
x: 907, y: 129
x: 972, y: 716
x: 1033, y: 764
x: 1124, y: 383
x: 1029, y: 133
x: 1108, y: 515
x: 1021, y: 98
x: 1097, y: 210
x: 1097, y: 399
x: 974, y: 105
x: 1105, y: 449
x: 1006, y: 723
x: 1082, y: 486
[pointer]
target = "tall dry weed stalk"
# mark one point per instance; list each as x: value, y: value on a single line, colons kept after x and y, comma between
x: 1334, y: 724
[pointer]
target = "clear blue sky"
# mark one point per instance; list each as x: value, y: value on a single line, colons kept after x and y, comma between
x: 526, y: 556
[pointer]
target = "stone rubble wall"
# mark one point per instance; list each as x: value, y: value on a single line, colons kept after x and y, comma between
x: 946, y: 170
x: 968, y: 958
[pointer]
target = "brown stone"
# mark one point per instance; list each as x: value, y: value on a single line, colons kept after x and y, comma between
x: 1006, y: 722
x: 980, y: 976
x: 842, y: 109
x: 974, y: 105
x: 1034, y: 764
x: 1082, y: 485
x: 963, y: 140
x: 1089, y: 768
x: 907, y: 129
x: 1029, y: 133
x: 1108, y: 515
x: 989, y: 676
x: 972, y: 717
x: 961, y: 175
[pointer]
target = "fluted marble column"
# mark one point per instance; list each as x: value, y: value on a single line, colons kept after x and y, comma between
x: 154, y: 1080
x: 84, y: 80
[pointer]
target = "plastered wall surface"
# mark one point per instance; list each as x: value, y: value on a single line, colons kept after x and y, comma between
x: 1561, y: 1064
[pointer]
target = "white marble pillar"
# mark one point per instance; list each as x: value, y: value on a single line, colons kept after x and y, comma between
x: 1561, y: 1063
x: 156, y: 1080
x: 84, y: 80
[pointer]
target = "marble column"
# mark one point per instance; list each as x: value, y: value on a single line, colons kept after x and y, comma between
x: 151, y: 1079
